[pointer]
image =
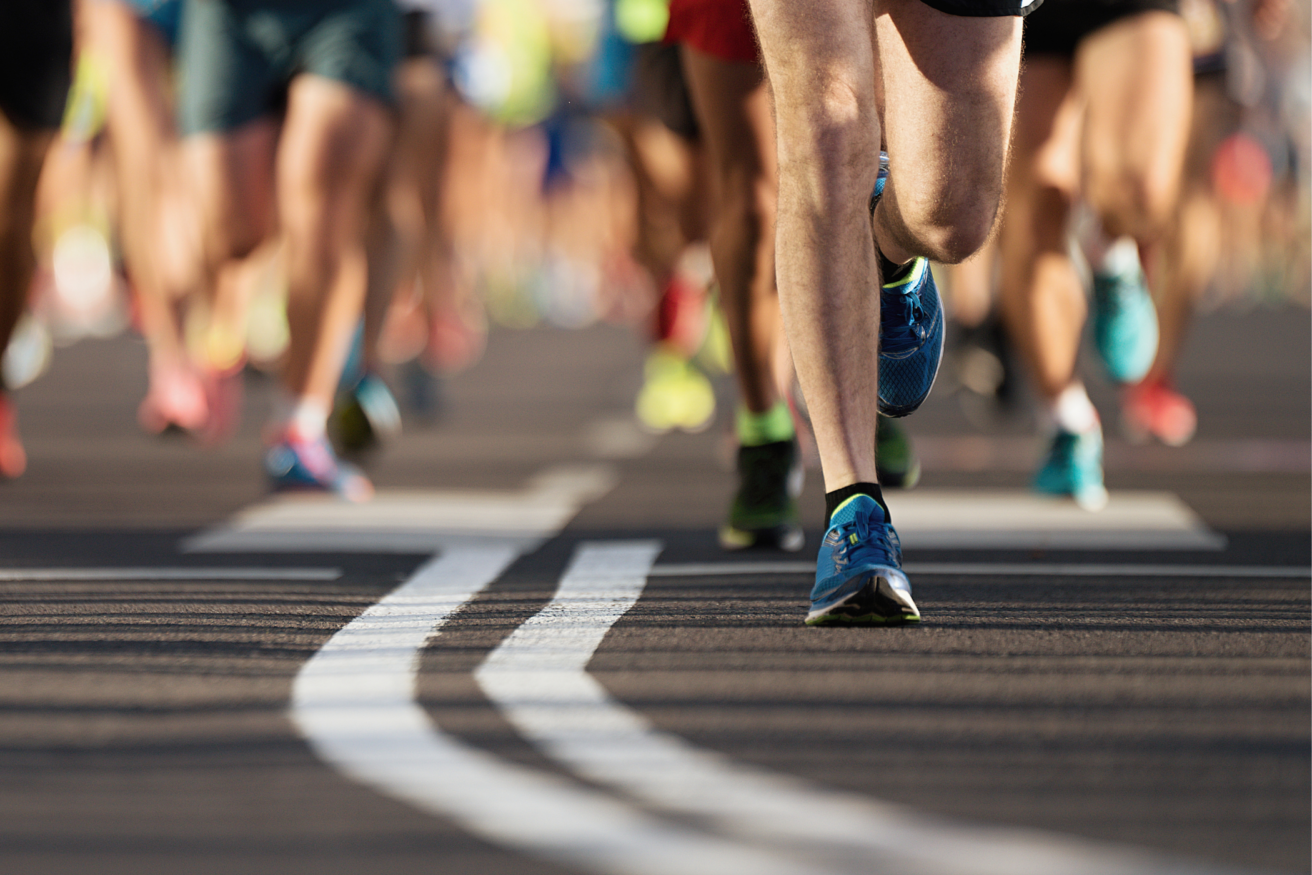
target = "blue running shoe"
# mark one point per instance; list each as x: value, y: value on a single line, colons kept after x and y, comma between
x: 858, y: 576
x: 1073, y: 467
x: 297, y: 465
x: 1124, y: 324
x: 910, y: 329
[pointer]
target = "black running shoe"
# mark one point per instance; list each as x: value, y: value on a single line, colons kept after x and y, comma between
x: 764, y: 510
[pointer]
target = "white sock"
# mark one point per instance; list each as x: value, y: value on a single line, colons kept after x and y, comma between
x: 1120, y: 258
x: 1072, y: 411
x: 306, y: 417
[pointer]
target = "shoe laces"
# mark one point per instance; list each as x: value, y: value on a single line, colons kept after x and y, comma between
x: 858, y: 542
x: 903, y: 312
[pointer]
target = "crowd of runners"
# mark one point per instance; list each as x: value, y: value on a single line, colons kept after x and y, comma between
x: 345, y: 192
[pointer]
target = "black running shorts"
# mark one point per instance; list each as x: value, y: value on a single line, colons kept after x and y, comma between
x: 1065, y: 23
x: 985, y: 8
x: 36, y: 67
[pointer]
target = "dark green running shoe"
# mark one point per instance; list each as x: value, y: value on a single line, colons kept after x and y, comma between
x: 364, y: 416
x: 896, y: 464
x: 764, y: 510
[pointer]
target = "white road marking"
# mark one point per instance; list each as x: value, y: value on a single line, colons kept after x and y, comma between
x: 538, y: 678
x: 422, y: 522
x: 113, y: 574
x: 618, y: 437
x: 354, y: 701
x: 1018, y: 519
x: 995, y: 569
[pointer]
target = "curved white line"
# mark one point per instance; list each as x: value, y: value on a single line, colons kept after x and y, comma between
x: 354, y: 702
x: 538, y: 677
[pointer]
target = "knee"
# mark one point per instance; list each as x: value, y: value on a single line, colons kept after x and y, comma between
x: 829, y: 135
x: 233, y: 239
x: 1133, y: 202
x: 955, y: 227
x: 746, y: 209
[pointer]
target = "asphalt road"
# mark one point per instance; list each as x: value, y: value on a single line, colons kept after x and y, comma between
x: 193, y: 680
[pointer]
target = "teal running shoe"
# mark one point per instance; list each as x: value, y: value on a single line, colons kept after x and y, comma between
x: 296, y: 465
x: 910, y: 329
x: 858, y: 577
x: 764, y: 510
x: 1124, y: 325
x: 1073, y: 468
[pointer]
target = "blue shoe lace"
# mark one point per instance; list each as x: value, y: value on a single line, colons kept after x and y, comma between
x: 903, y: 312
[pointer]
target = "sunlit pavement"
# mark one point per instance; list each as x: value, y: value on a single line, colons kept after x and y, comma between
x: 198, y: 679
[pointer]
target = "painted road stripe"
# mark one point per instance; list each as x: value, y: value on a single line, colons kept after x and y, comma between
x: 1012, y: 519
x: 410, y: 521
x: 995, y: 569
x: 354, y: 701
x: 127, y: 574
x: 538, y: 678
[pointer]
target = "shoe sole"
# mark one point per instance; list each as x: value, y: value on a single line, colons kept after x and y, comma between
x: 876, y: 603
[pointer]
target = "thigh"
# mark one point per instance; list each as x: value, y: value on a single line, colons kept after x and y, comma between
x: 733, y: 112
x: 332, y: 147
x: 950, y: 83
x: 1049, y: 119
x: 232, y: 178
x: 1136, y: 76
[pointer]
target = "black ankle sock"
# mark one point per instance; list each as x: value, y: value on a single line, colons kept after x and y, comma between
x: 889, y: 271
x: 838, y: 496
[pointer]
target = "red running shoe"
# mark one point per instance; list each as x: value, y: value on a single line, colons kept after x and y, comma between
x: 13, y: 458
x: 1152, y: 408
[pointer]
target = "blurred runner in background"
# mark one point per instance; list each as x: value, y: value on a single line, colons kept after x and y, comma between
x: 1104, y: 114
x: 284, y: 106
x: 36, y: 47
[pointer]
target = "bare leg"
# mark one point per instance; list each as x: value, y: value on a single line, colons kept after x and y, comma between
x: 1043, y: 302
x: 733, y: 109
x: 943, y: 75
x: 21, y: 154
x: 329, y: 158
x: 1137, y: 79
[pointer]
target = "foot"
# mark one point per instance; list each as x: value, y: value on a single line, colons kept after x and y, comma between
x: 1153, y: 408
x: 1073, y: 468
x: 13, y: 458
x: 296, y: 465
x: 365, y: 416
x: 764, y: 510
x: 674, y: 394
x: 175, y: 402
x: 896, y: 464
x: 910, y: 329
x: 1124, y: 324
x: 858, y: 577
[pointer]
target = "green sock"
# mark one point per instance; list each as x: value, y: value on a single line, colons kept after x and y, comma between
x: 755, y: 429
